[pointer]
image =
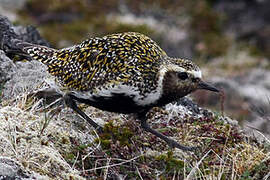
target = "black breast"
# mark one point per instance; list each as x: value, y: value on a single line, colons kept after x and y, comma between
x: 119, y: 103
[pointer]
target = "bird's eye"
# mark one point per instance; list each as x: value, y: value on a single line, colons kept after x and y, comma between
x: 183, y: 75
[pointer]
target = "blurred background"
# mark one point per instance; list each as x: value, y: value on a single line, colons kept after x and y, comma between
x: 229, y: 39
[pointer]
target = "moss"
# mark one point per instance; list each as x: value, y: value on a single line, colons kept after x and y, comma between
x: 39, y: 7
x: 260, y: 170
x: 215, y: 44
x: 75, y: 154
x: 85, y: 19
x: 73, y: 32
x: 206, y: 27
x: 76, y: 31
x: 113, y: 134
x: 171, y: 164
x: 204, y: 19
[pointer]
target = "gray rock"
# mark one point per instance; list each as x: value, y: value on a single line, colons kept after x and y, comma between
x: 8, y: 167
x: 9, y: 8
x: 12, y: 4
x: 20, y: 76
x: 11, y: 170
x: 25, y: 77
x: 7, y: 68
x: 8, y: 32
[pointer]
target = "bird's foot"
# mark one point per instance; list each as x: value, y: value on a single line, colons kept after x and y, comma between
x: 174, y: 144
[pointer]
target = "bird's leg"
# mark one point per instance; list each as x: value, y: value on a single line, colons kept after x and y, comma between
x: 170, y: 142
x: 70, y: 102
x: 49, y: 96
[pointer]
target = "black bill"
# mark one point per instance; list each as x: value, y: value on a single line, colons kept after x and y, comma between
x: 204, y: 85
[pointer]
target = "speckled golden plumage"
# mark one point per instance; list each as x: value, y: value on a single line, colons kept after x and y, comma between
x: 97, y: 61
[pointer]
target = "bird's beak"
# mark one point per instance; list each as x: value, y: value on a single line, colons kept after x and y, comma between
x: 204, y: 85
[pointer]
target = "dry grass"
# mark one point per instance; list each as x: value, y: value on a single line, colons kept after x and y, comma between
x: 58, y: 144
x: 22, y: 140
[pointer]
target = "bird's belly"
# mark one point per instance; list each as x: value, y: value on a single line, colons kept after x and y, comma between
x: 119, y: 103
x: 119, y: 98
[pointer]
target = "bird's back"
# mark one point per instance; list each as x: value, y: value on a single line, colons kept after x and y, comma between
x: 125, y: 58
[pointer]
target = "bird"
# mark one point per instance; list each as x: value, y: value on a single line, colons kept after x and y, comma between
x: 125, y: 73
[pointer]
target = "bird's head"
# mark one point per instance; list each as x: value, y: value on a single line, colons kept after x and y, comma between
x: 181, y: 77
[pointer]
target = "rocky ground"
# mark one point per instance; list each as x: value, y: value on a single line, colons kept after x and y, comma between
x: 56, y: 143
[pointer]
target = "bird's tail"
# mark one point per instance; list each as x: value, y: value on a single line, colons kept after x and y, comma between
x: 45, y: 55
x: 41, y: 53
